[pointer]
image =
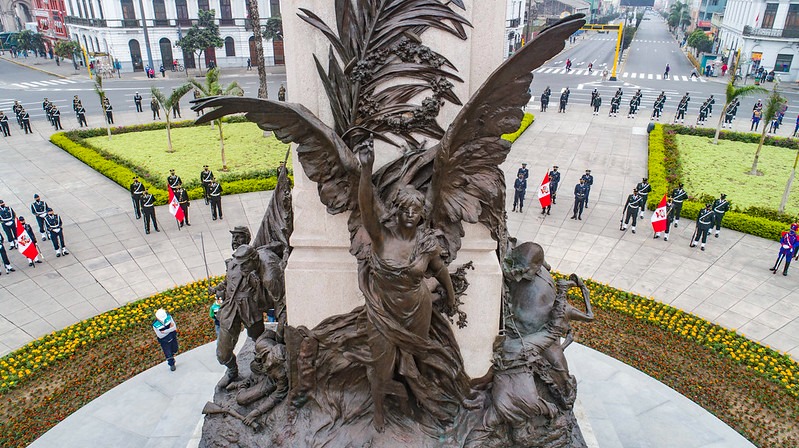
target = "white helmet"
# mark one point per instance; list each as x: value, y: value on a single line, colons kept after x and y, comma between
x: 161, y: 315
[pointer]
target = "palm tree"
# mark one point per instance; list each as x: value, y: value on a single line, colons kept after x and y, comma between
x: 255, y: 22
x: 679, y: 15
x: 212, y: 87
x: 732, y: 94
x: 784, y: 201
x: 773, y: 104
x: 98, y: 88
x: 166, y: 103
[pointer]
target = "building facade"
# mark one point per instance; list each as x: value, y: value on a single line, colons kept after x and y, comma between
x: 114, y: 28
x: 14, y: 14
x: 765, y: 32
x: 514, y: 24
x: 50, y: 16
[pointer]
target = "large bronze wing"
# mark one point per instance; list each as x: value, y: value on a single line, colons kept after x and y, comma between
x: 324, y: 156
x: 467, y: 183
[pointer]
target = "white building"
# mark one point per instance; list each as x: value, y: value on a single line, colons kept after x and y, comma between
x: 115, y: 27
x: 514, y: 24
x: 766, y: 33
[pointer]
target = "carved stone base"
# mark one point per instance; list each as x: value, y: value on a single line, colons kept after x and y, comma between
x: 311, y: 426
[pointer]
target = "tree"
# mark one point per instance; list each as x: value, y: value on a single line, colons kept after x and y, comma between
x: 27, y: 40
x: 732, y: 94
x: 66, y: 48
x: 202, y: 35
x: 784, y: 200
x: 679, y: 15
x: 255, y: 22
x: 699, y: 40
x: 98, y: 88
x: 212, y: 87
x: 166, y: 103
x: 772, y: 106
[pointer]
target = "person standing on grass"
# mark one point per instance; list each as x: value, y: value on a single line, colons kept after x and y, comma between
x: 167, y: 332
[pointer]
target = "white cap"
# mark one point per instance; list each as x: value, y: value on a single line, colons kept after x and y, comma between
x: 161, y: 315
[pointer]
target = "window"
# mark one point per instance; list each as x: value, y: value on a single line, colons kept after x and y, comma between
x: 226, y: 13
x: 792, y: 21
x: 230, y: 47
x: 183, y: 12
x: 783, y: 63
x: 274, y: 8
x: 769, y: 15
x: 202, y: 5
x: 159, y: 9
x: 128, y: 13
x: 100, y: 9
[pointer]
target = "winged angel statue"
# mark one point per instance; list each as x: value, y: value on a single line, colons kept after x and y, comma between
x: 406, y: 219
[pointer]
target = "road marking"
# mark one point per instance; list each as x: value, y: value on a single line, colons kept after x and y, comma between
x: 633, y: 75
x: 685, y: 78
x: 624, y: 75
x: 650, y: 76
x: 549, y: 70
x: 643, y: 75
x: 693, y: 79
x: 579, y: 86
x: 658, y: 77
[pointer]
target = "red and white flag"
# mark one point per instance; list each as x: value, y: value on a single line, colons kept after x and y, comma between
x: 659, y: 217
x: 25, y: 244
x: 544, y: 195
x: 174, y: 205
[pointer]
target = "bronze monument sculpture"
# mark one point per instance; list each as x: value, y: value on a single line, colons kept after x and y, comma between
x: 390, y: 371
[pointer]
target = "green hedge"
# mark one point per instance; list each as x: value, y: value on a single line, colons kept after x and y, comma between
x: 527, y: 120
x: 122, y: 171
x: 665, y: 172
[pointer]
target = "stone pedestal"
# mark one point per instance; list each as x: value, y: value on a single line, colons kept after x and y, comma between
x: 321, y: 277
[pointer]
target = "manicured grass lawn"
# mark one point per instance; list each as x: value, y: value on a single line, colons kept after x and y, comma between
x: 246, y: 151
x: 715, y: 169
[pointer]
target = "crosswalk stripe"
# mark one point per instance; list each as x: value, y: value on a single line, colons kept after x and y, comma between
x: 549, y: 70
x: 70, y: 81
x: 658, y: 77
x: 633, y: 75
x: 650, y: 76
x: 624, y: 75
x: 693, y: 79
x: 642, y: 75
x: 60, y: 81
x: 35, y: 83
x: 685, y: 78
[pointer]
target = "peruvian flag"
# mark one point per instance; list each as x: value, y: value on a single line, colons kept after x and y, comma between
x: 659, y: 217
x: 544, y: 195
x: 174, y: 205
x: 25, y: 244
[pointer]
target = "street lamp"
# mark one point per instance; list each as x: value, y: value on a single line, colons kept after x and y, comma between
x: 146, y: 35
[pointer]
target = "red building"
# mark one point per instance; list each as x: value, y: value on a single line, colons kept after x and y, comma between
x: 49, y: 16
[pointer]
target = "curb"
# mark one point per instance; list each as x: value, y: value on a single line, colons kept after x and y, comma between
x: 33, y: 68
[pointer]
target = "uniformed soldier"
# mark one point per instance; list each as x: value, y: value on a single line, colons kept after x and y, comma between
x: 579, y: 200
x: 56, y: 115
x: 644, y: 189
x: 678, y: 195
x: 136, y: 192
x: 183, y: 199
x: 39, y: 210
x: 788, y: 243
x: 25, y: 120
x: 109, y: 111
x: 729, y: 114
x: 215, y: 197
x: 205, y: 178
x: 75, y: 102
x: 589, y: 180
x: 710, y: 102
x: 172, y: 180
x: 137, y: 100
x: 720, y: 207
x: 564, y: 100
x: 28, y: 230
x: 631, y: 209
x: 176, y: 108
x: 148, y: 210
x: 596, y: 103
x: 17, y: 108
x: 669, y: 219
x: 156, y: 108
x: 635, y: 103
x: 545, y: 99
x: 46, y: 108
x: 704, y: 221
x: 700, y: 120
x: 7, y: 217
x: 554, y: 180
x: 615, y: 104
x: 523, y: 171
x: 594, y: 93
x: 56, y: 228
x: 4, y: 256
x: 4, y: 124
x: 682, y: 108
x: 519, y: 189
x: 81, y: 115
x: 657, y: 108
x: 281, y: 93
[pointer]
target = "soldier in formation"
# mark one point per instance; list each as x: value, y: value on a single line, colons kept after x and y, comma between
x: 589, y: 181
x: 148, y: 210
x: 156, y: 108
x: 615, y: 104
x: 710, y: 102
x: 657, y: 108
x: 682, y: 108
x: 4, y: 256
x: 704, y: 221
x: 635, y: 103
x: 25, y: 121
x: 137, y: 101
x: 109, y: 111
x: 564, y: 100
x: 183, y: 199
x: 4, y: 124
x: 519, y: 190
x: 205, y: 179
x: 7, y: 220
x: 631, y: 209
x: 176, y: 108
x: 669, y: 219
x: 596, y: 102
x: 545, y: 99
x: 75, y: 103
x: 729, y: 114
x: 703, y: 114
x: 173, y: 180
x: 524, y: 171
x: 32, y: 236
x: 579, y: 200
x: 554, y: 180
x: 215, y: 197
x: 39, y: 209
x: 720, y: 207
x: 55, y: 115
x: 80, y: 114
x: 55, y: 227
x: 789, y: 244
x: 594, y: 94
x: 136, y: 192
x: 644, y: 188
x: 679, y: 195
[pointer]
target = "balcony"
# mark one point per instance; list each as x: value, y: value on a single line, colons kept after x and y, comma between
x: 773, y: 33
x: 130, y: 23
x: 99, y: 23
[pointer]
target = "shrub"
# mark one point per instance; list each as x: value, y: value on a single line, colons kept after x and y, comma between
x: 527, y: 120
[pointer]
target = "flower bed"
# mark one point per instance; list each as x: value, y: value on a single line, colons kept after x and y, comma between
x: 54, y: 376
x: 665, y: 172
x: 527, y: 120
x: 122, y: 168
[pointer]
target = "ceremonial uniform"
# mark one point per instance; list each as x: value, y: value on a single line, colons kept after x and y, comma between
x: 7, y: 219
x: 729, y: 114
x: 788, y: 244
x: 166, y: 330
x: 32, y: 236
x: 75, y: 103
x: 137, y: 100
x: 631, y: 208
x: 564, y: 100
x: 679, y: 195
x: 669, y: 217
x: 635, y: 103
x: 215, y: 197
x: 136, y: 192
x: 205, y: 178
x: 39, y: 210
x: 554, y: 180
x: 596, y: 102
x: 56, y: 114
x: 4, y: 256
x: 523, y: 171
x: 519, y: 189
x: 720, y: 207
x: 579, y: 200
x: 4, y: 124
x: 17, y: 108
x: 544, y: 101
x: 682, y: 108
x: 172, y: 180
x: 80, y: 113
x: 183, y: 199
x: 56, y: 228
x: 589, y: 180
x: 615, y: 103
x: 148, y: 210
x: 644, y: 189
x: 657, y: 108
x: 109, y: 112
x: 25, y: 120
x: 704, y: 221
x: 710, y: 102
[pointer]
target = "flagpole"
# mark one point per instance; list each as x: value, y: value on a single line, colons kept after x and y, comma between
x: 178, y: 224
x: 202, y: 245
